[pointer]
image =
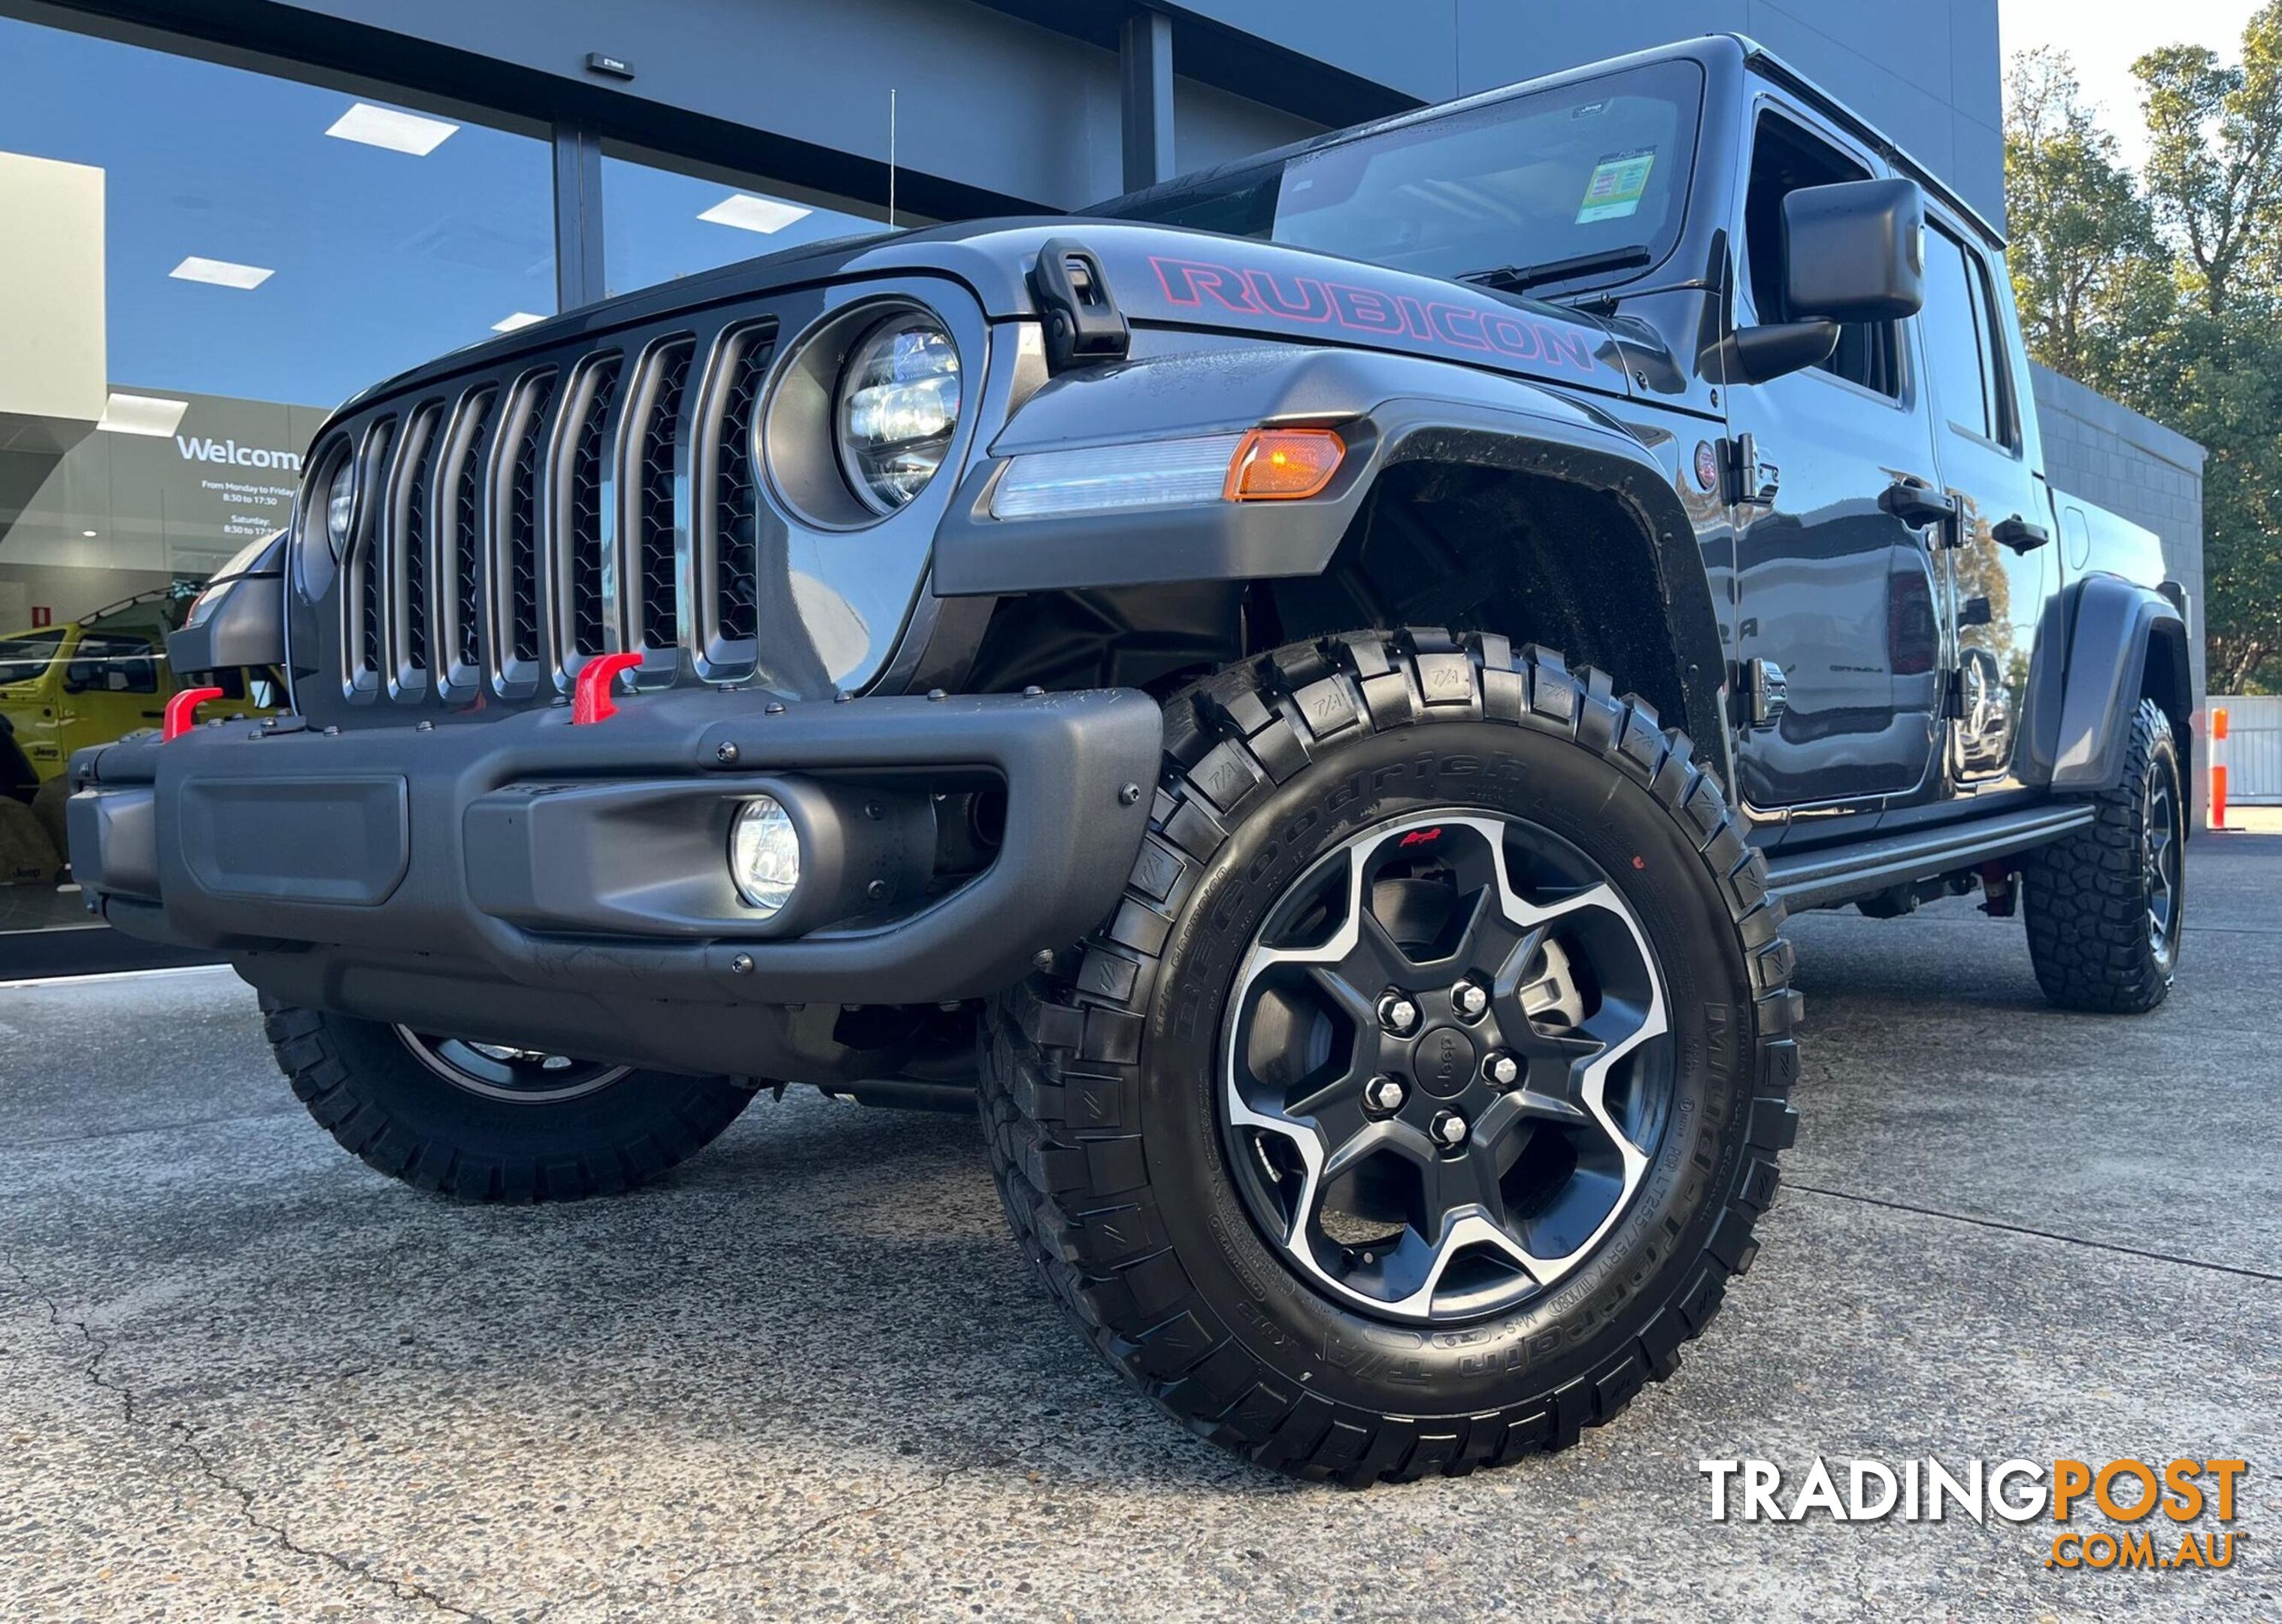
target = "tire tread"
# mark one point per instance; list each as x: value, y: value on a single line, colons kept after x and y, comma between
x: 351, y: 1102
x: 2084, y: 896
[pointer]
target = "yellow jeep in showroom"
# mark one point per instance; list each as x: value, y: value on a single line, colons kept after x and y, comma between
x: 90, y: 681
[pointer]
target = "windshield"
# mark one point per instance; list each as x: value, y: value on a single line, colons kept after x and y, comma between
x: 26, y: 655
x: 1594, y: 172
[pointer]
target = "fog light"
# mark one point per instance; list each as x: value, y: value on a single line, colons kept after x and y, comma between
x: 764, y: 854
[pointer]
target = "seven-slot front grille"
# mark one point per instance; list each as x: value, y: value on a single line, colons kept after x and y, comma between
x: 525, y: 523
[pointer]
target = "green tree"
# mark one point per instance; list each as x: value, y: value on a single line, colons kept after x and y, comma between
x: 2219, y: 382
x: 2165, y: 289
x: 2090, y: 272
x: 2214, y: 160
x: 2215, y: 179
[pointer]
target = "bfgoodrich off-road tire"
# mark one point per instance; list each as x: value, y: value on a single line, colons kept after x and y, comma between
x: 1110, y: 1131
x: 2104, y: 905
x: 522, y: 1136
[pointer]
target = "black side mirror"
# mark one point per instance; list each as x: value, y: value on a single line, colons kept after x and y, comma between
x: 1854, y: 251
x: 80, y: 675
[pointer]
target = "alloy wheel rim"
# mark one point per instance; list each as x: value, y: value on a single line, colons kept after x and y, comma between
x: 517, y: 1076
x: 2160, y: 851
x: 1446, y: 1066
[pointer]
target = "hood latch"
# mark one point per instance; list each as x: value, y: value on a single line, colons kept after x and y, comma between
x: 1082, y: 321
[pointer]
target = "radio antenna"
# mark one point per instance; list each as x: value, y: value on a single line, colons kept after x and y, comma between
x: 891, y: 159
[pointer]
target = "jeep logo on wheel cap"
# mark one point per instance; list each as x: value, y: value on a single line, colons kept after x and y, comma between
x: 1444, y: 1061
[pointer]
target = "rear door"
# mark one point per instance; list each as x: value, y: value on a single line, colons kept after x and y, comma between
x: 1832, y: 589
x: 2003, y: 569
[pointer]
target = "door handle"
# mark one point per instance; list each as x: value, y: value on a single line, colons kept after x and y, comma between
x: 2017, y: 533
x: 1918, y: 504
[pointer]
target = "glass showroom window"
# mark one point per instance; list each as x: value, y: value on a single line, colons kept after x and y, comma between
x: 660, y: 222
x: 201, y: 262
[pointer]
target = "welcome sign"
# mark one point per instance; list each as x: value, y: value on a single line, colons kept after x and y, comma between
x: 174, y: 502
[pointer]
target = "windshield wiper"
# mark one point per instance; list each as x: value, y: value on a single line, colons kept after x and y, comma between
x: 1519, y: 278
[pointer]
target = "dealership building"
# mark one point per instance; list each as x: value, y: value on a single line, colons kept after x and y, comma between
x: 220, y: 218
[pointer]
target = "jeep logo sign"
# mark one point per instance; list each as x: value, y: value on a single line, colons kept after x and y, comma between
x: 1444, y: 1061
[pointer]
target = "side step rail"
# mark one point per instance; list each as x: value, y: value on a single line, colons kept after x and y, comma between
x: 1819, y: 878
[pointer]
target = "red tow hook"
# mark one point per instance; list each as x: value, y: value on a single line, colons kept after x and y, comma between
x: 181, y: 710
x: 590, y: 696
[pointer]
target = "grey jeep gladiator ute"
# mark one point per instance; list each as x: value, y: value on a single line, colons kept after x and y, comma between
x: 1305, y: 692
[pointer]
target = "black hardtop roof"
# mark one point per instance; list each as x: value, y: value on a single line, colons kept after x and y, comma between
x: 1708, y: 50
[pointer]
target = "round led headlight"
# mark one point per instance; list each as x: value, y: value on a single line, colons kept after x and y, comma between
x: 897, y: 404
x: 764, y: 854
x: 340, y: 504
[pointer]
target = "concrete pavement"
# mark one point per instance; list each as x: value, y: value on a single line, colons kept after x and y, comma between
x: 241, y: 1376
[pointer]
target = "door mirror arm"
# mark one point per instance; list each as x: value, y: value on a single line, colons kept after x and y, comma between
x: 1756, y: 354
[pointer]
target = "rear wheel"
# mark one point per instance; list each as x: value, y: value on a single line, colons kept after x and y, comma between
x: 484, y: 1123
x: 1417, y: 1102
x: 2104, y: 905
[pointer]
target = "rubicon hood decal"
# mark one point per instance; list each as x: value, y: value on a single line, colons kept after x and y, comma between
x: 1211, y: 289
x: 1195, y: 279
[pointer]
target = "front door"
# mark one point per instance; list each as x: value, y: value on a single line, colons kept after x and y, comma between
x: 1834, y: 591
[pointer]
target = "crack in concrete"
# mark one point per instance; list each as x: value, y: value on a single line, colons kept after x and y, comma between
x: 177, y: 1437
x: 2037, y: 1234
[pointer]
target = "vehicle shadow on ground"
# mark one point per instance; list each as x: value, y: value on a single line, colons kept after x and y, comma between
x: 822, y: 1268
x: 1954, y: 957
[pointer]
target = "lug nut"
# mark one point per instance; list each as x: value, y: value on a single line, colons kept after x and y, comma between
x: 1383, y: 1095
x: 1470, y: 1000
x: 1398, y: 1015
x: 1448, y: 1129
x: 1503, y: 1069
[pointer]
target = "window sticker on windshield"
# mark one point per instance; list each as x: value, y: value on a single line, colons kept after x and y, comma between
x: 1618, y: 183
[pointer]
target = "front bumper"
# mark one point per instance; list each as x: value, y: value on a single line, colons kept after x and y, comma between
x: 532, y: 882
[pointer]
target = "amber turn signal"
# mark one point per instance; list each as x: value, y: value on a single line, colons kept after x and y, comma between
x: 1283, y: 465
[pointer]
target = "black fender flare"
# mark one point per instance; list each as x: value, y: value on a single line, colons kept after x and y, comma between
x: 2116, y: 627
x: 1390, y: 410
